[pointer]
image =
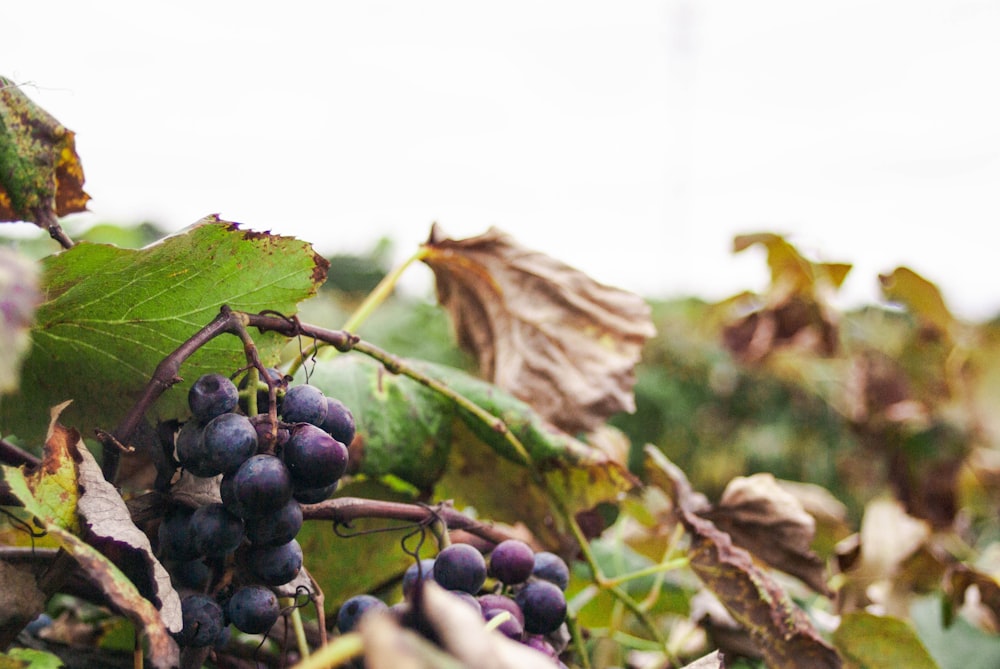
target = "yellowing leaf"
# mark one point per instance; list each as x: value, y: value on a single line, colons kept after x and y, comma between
x: 918, y: 295
x: 540, y: 329
x: 40, y: 173
x: 873, y: 642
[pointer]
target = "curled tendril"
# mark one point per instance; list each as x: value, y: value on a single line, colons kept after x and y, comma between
x: 25, y: 526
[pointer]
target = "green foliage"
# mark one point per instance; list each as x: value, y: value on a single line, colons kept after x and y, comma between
x: 111, y: 314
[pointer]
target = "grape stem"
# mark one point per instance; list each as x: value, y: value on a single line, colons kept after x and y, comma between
x: 343, y: 510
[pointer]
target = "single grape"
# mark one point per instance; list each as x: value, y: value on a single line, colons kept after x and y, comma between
x: 212, y: 395
x: 353, y: 609
x: 460, y: 567
x: 277, y: 527
x: 510, y: 628
x: 497, y: 601
x: 202, y: 621
x: 313, y: 457
x: 275, y: 565
x: 550, y: 567
x: 304, y: 404
x: 216, y: 531
x: 512, y: 562
x: 228, y: 440
x: 339, y: 421
x: 416, y: 571
x: 261, y: 485
x: 175, y: 537
x: 544, y: 606
x: 191, y: 452
x: 314, y: 495
x: 192, y: 574
x: 253, y: 609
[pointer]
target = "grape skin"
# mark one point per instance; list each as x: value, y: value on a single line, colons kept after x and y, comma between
x: 544, y: 607
x: 460, y: 567
x: 304, y: 404
x: 212, y: 395
x: 216, y: 532
x: 355, y: 608
x: 202, y: 620
x: 313, y: 457
x: 275, y: 565
x: 227, y: 441
x: 261, y: 485
x: 277, y: 527
x: 339, y: 421
x: 550, y: 567
x: 512, y: 562
x: 253, y: 609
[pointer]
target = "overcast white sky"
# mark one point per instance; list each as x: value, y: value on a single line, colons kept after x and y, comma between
x: 629, y: 139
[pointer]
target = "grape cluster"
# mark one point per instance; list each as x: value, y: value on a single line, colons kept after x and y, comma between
x: 527, y: 589
x: 252, y: 530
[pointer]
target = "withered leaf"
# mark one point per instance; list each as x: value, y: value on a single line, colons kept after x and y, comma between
x: 540, y: 329
x: 783, y: 633
x: 47, y: 494
x: 769, y: 522
x: 40, y: 173
x: 794, y: 313
x: 105, y: 523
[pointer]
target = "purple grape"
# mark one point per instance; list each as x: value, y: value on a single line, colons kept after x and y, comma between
x: 460, y: 567
x: 497, y: 601
x: 304, y: 404
x: 192, y: 574
x: 313, y: 457
x: 512, y: 562
x: 212, y: 395
x: 253, y: 609
x: 275, y: 565
x: 544, y: 607
x: 216, y: 532
x: 261, y: 485
x: 314, y: 495
x: 277, y: 527
x: 422, y: 570
x: 175, y: 537
x: 468, y: 599
x: 191, y: 452
x: 541, y: 644
x: 202, y: 621
x: 510, y: 628
x: 339, y: 421
x: 354, y: 608
x: 552, y: 568
x: 228, y: 440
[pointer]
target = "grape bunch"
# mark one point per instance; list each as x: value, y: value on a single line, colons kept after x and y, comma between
x: 525, y: 587
x: 253, y: 529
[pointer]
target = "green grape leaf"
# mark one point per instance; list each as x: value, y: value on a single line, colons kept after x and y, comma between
x: 19, y: 296
x: 409, y: 432
x: 110, y: 316
x: 29, y: 657
x: 40, y: 173
x: 873, y: 642
x: 318, y: 542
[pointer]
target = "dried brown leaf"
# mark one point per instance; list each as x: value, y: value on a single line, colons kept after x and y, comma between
x: 540, y: 329
x: 769, y: 522
x: 783, y: 633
